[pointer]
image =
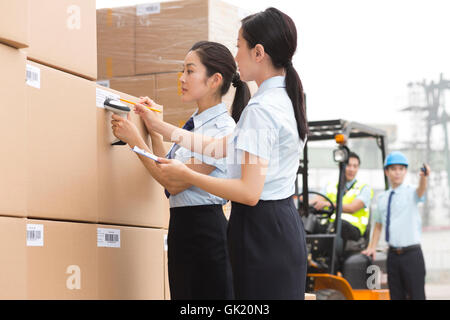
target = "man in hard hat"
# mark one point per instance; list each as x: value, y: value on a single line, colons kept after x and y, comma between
x: 355, y: 202
x: 397, y: 211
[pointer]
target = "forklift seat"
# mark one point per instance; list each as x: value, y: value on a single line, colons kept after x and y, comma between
x: 362, y: 243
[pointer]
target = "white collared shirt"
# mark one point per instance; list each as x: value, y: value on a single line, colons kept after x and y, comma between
x: 405, y: 221
x: 268, y: 129
x: 213, y: 122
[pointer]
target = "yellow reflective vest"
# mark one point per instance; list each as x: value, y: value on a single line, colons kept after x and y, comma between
x: 359, y: 219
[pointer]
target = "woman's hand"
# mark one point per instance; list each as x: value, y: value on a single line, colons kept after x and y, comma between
x: 142, y: 109
x: 174, y: 173
x: 125, y: 130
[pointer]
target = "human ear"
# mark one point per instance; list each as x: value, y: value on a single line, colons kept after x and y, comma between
x: 215, y: 80
x: 259, y: 52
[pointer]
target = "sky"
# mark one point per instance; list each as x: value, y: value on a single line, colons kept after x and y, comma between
x: 356, y: 57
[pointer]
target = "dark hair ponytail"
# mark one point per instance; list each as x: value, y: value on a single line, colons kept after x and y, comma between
x: 241, y: 97
x: 277, y: 33
x: 218, y: 59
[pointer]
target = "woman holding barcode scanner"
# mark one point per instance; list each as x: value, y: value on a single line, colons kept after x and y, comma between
x: 198, y: 259
x: 265, y: 233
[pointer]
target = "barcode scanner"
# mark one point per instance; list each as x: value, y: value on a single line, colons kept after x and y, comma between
x: 424, y: 170
x: 120, y: 109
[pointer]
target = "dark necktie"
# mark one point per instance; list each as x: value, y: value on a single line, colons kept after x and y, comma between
x: 388, y: 218
x: 189, y: 125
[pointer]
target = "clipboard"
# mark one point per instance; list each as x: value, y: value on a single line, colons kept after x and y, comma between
x: 145, y: 154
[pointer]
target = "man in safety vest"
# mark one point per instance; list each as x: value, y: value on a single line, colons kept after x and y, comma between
x: 355, y: 202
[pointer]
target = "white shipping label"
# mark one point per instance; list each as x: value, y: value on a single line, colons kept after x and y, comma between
x: 101, y: 96
x: 108, y: 238
x: 103, y: 83
x: 35, y: 235
x: 149, y: 8
x: 33, y: 76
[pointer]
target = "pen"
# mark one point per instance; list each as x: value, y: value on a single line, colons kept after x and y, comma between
x: 153, y: 109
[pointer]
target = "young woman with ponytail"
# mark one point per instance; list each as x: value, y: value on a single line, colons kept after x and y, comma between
x: 265, y: 233
x: 198, y: 259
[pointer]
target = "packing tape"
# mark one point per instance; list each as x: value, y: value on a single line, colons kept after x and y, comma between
x: 109, y: 67
x: 109, y: 18
x: 179, y: 74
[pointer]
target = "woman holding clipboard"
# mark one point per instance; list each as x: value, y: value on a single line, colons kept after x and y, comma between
x: 265, y: 234
x: 198, y: 260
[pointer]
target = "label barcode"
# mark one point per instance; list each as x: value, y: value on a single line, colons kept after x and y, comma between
x: 108, y: 238
x: 33, y: 235
x: 146, y: 9
x: 33, y: 76
x: 152, y: 8
x: 111, y: 237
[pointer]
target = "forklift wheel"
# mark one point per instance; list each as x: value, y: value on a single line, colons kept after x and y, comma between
x: 329, y: 294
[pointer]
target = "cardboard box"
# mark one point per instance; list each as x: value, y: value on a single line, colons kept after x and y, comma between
x: 68, y: 260
x: 168, y: 94
x: 14, y: 23
x: 61, y: 260
x: 138, y: 86
x: 13, y: 131
x: 310, y: 296
x: 63, y: 35
x: 131, y: 263
x: 128, y: 194
x: 62, y: 146
x: 116, y: 42
x: 13, y: 263
x: 75, y: 173
x: 166, y: 31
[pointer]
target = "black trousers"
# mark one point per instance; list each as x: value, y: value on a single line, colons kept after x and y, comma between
x: 198, y: 261
x: 267, y: 250
x: 349, y: 231
x: 406, y: 275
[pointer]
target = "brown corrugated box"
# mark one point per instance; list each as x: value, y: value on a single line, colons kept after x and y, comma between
x: 116, y: 42
x: 63, y: 35
x: 164, y: 36
x: 132, y: 265
x: 166, y: 31
x: 13, y: 171
x: 73, y: 172
x: 138, y: 86
x: 14, y: 23
x: 13, y: 262
x: 61, y: 260
x: 128, y: 194
x: 62, y: 146
x: 44, y: 259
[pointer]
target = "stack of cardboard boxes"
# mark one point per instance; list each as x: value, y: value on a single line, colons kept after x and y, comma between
x: 79, y: 218
x: 141, y: 49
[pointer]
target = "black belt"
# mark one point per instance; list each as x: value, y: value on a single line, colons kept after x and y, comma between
x: 402, y: 250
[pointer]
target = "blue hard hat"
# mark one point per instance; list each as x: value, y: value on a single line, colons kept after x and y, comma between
x: 395, y: 157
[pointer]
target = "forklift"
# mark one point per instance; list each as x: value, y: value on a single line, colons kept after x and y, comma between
x: 338, y: 270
